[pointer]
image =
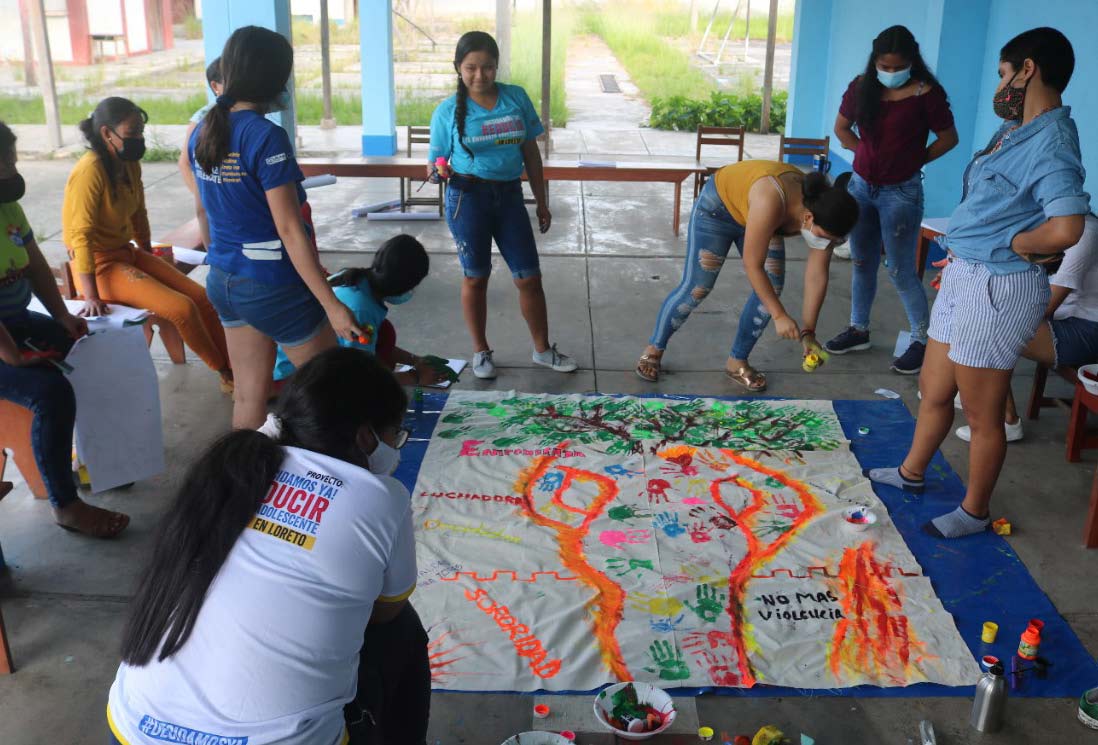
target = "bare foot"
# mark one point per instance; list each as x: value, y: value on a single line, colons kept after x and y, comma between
x: 81, y: 517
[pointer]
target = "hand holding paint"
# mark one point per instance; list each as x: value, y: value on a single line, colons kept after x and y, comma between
x: 814, y: 355
x: 442, y: 168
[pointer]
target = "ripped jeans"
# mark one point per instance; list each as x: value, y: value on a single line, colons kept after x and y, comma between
x: 888, y: 215
x: 711, y: 234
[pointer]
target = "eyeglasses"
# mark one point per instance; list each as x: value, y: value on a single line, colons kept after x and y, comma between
x: 402, y: 438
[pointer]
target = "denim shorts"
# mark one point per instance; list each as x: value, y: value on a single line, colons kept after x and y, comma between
x: 289, y: 314
x: 1075, y: 341
x: 480, y: 211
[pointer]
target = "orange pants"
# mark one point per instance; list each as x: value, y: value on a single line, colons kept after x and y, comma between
x: 139, y: 279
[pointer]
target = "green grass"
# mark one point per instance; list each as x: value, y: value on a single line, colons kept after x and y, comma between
x: 166, y: 110
x: 526, y: 60
x: 192, y: 27
x: 475, y: 23
x: 656, y: 67
x: 305, y: 32
x: 676, y: 23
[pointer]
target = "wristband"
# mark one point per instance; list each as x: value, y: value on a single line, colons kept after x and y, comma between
x: 806, y: 332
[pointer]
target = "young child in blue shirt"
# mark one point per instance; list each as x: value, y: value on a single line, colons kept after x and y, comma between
x: 1023, y: 204
x: 487, y: 132
x: 399, y: 266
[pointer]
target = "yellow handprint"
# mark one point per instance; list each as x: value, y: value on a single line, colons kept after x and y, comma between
x: 657, y: 606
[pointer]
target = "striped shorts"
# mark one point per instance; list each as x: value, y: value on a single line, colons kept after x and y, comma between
x: 987, y: 319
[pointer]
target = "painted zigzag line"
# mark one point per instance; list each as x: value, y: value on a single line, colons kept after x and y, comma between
x: 886, y: 572
x: 513, y: 576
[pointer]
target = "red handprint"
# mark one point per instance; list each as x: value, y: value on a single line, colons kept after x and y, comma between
x: 699, y: 533
x: 657, y: 490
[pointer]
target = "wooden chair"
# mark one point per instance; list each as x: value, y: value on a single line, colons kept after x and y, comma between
x: 169, y: 334
x: 187, y: 235
x: 723, y: 136
x: 408, y: 193
x: 803, y: 146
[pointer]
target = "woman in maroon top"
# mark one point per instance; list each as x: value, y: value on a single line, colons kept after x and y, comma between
x: 893, y: 106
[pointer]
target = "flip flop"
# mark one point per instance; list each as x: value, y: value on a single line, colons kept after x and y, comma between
x: 107, y: 524
x: 748, y: 377
x: 650, y: 361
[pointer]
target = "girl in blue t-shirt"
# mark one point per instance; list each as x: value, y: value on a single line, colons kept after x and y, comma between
x: 399, y: 266
x: 488, y: 134
x: 265, y: 277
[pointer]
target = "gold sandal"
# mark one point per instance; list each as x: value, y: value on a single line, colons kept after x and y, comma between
x: 651, y: 362
x: 748, y: 377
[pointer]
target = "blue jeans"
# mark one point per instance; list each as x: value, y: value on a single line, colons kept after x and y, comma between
x: 479, y: 211
x: 289, y: 313
x: 47, y: 393
x: 711, y: 234
x: 888, y: 215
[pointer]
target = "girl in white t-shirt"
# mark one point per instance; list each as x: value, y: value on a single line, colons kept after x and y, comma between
x: 280, y: 548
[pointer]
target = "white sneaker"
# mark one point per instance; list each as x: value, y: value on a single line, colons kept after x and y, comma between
x: 1013, y: 432
x: 956, y: 405
x: 554, y: 359
x: 842, y: 252
x: 483, y: 367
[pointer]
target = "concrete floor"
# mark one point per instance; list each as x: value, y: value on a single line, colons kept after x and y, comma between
x: 608, y: 261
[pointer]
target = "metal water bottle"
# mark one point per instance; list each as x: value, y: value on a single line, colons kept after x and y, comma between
x: 990, y: 701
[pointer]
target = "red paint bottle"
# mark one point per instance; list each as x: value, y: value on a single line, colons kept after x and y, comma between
x: 1031, y: 640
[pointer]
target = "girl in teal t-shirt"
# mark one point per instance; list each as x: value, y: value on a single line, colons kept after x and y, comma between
x: 399, y: 266
x: 487, y: 132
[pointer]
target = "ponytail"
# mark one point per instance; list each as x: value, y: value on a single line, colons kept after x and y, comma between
x: 831, y: 205
x: 461, y: 109
x: 218, y: 497
x: 110, y: 112
x: 212, y: 146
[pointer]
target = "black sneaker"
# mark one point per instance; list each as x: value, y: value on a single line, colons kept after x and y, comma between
x: 911, y: 361
x: 851, y: 340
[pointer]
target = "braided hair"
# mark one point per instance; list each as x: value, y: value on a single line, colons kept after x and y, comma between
x: 110, y: 112
x: 470, y: 41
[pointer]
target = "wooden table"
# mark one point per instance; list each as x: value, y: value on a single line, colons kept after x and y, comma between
x: 554, y: 170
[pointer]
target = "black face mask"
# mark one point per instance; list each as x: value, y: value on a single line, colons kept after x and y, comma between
x: 133, y: 148
x: 12, y: 189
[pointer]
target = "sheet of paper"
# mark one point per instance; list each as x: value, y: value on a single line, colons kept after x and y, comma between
x: 456, y: 365
x: 118, y: 427
x: 120, y: 316
x: 937, y: 224
x: 597, y: 164
x: 188, y: 255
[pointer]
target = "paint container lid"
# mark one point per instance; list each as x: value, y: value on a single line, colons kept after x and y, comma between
x: 705, y: 733
x: 568, y: 735
x: 988, y: 661
x: 541, y: 711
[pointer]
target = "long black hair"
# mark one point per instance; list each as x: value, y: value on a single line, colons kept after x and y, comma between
x: 832, y: 206
x: 321, y: 409
x: 110, y: 112
x: 470, y: 41
x: 255, y: 67
x: 399, y: 265
x: 7, y: 141
x: 893, y: 40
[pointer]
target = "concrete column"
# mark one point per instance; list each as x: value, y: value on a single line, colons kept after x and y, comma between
x: 375, y: 29
x: 808, y: 72
x: 221, y: 17
x: 955, y: 49
x: 503, y: 38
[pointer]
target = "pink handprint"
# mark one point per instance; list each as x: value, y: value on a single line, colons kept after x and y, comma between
x: 615, y: 538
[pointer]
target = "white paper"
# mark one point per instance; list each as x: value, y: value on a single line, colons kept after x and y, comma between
x: 456, y: 365
x: 565, y: 542
x: 937, y: 224
x: 121, y: 316
x: 597, y: 164
x: 324, y: 179
x: 188, y: 255
x: 887, y: 393
x: 118, y: 426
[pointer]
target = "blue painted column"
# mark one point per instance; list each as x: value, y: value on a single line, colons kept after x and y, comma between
x: 375, y: 24
x: 809, y: 69
x: 955, y: 48
x: 221, y: 17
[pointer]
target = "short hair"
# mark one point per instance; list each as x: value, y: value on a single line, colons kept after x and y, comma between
x: 213, y: 72
x: 1049, y: 49
x: 7, y: 141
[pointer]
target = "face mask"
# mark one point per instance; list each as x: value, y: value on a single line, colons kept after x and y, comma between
x: 385, y: 458
x: 281, y: 103
x: 133, y: 148
x: 894, y: 79
x: 12, y: 189
x: 399, y: 299
x: 813, y: 240
x: 1010, y: 102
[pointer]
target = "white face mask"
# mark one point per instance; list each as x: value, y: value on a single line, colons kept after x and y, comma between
x: 385, y: 458
x: 813, y: 240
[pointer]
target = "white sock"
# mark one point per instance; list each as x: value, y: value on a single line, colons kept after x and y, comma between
x: 956, y: 524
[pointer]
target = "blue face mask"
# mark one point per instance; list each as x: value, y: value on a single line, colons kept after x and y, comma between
x: 399, y: 299
x: 894, y: 79
x: 282, y: 102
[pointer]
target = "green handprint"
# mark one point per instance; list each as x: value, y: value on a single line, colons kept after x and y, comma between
x: 622, y: 566
x: 624, y: 512
x: 710, y: 603
x: 669, y: 660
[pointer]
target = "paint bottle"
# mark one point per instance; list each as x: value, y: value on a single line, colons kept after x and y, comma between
x: 990, y: 701
x: 1031, y: 639
x: 442, y: 167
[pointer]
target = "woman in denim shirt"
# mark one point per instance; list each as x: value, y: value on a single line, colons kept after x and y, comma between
x: 895, y: 104
x: 1023, y: 204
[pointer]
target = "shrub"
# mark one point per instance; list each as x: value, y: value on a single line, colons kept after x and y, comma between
x: 719, y: 110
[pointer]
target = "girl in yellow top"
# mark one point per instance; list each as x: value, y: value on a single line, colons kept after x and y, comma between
x: 104, y: 210
x: 753, y: 204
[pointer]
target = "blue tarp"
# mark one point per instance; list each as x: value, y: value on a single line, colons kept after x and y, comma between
x: 978, y: 578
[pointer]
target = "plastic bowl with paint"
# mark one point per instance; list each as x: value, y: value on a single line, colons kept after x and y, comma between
x: 541, y: 711
x: 648, y: 696
x: 859, y: 518
x: 1088, y: 376
x: 536, y: 738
